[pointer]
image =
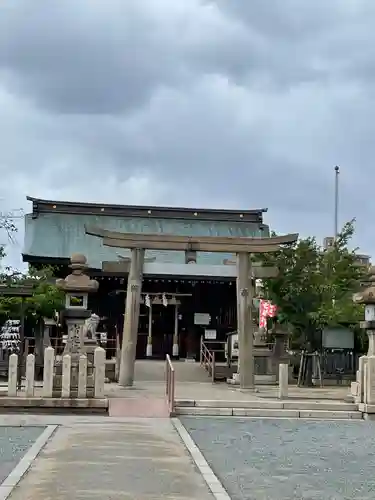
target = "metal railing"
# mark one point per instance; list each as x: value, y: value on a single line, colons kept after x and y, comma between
x: 207, y: 359
x: 170, y: 384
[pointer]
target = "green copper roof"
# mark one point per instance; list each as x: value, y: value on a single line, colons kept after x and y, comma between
x: 58, y: 235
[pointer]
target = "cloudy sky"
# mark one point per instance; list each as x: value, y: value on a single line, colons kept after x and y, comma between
x: 204, y: 103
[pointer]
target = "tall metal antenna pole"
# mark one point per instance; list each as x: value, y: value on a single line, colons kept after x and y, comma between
x: 337, y: 172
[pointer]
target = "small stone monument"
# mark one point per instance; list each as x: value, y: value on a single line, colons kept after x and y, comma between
x: 77, y: 287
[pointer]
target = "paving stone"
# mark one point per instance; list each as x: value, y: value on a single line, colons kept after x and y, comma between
x: 281, y: 459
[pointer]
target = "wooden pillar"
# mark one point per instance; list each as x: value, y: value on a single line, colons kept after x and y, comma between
x: 245, y: 324
x: 149, y: 336
x: 175, y: 347
x: 131, y: 318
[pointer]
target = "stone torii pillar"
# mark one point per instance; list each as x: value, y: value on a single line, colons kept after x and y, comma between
x: 244, y: 321
x: 131, y: 318
x: 246, y: 273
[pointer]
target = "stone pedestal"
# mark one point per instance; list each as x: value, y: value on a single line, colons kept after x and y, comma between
x: 369, y: 381
x: 371, y: 342
x: 363, y: 389
x: 75, y: 347
x: 358, y: 388
x: 360, y: 379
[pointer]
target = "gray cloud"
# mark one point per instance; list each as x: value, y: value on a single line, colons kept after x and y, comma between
x: 210, y: 103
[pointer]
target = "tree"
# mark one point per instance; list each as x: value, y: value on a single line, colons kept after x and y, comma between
x: 314, y: 287
x: 7, y: 224
x: 46, y: 297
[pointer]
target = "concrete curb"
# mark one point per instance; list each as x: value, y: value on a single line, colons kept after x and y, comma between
x: 7, y: 486
x: 213, y: 483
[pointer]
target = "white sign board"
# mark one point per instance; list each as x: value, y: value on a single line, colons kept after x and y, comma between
x: 337, y: 338
x: 234, y: 346
x: 370, y: 312
x: 202, y: 319
x: 210, y: 334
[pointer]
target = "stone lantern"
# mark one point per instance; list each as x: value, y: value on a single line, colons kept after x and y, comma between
x: 367, y: 297
x: 363, y: 389
x: 77, y: 287
x: 279, y: 351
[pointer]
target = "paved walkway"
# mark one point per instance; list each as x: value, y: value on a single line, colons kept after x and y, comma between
x: 147, y: 397
x: 193, y: 383
x: 110, y: 459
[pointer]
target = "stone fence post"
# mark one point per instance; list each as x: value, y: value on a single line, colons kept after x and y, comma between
x: 12, y: 375
x: 283, y: 380
x: 66, y: 376
x: 49, y: 358
x: 30, y: 376
x: 99, y: 372
x: 82, y: 376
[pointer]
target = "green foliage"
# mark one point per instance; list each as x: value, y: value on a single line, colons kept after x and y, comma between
x: 314, y: 288
x: 45, y: 300
x: 46, y: 297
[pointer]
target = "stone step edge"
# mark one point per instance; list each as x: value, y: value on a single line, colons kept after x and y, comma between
x: 267, y: 413
x: 40, y: 402
x: 271, y: 405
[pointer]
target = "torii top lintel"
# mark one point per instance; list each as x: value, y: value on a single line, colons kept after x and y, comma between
x: 190, y: 243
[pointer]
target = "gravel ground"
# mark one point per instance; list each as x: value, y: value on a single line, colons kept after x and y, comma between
x: 269, y: 459
x: 14, y: 442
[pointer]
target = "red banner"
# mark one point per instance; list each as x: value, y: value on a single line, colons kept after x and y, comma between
x: 266, y: 310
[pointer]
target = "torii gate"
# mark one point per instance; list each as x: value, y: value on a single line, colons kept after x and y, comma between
x: 242, y: 247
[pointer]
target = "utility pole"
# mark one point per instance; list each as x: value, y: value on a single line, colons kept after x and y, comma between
x: 337, y: 173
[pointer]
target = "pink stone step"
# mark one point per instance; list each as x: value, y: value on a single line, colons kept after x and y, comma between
x: 138, y: 407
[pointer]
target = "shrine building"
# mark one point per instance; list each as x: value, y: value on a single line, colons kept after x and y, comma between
x: 190, y: 293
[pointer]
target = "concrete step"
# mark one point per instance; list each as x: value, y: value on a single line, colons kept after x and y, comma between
x: 269, y: 404
x: 222, y: 371
x: 268, y: 413
x: 275, y: 409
